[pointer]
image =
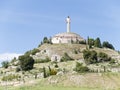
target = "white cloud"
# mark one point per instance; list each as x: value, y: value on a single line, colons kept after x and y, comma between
x: 8, y: 56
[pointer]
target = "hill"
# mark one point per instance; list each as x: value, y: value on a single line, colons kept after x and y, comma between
x: 63, y: 75
x: 50, y: 50
x: 73, y: 50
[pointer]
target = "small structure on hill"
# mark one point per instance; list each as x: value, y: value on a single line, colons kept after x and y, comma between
x: 56, y: 58
x: 67, y: 37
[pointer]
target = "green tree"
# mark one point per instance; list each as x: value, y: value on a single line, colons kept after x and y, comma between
x: 5, y: 64
x: 45, y: 40
x: 26, y: 62
x: 34, y: 51
x: 44, y: 72
x: 13, y: 60
x: 97, y: 43
x: 103, y: 57
x: 90, y: 42
x: 41, y: 43
x: 90, y: 56
x: 80, y: 68
x: 107, y: 45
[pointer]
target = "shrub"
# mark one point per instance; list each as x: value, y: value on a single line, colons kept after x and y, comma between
x: 118, y: 52
x: 103, y: 57
x: 82, y: 42
x: 53, y: 72
x: 80, y: 68
x: 112, y: 61
x: 26, y: 62
x: 43, y: 60
x: 45, y: 40
x: 10, y: 77
x: 56, y: 66
x: 32, y: 52
x: 18, y: 69
x: 75, y: 51
x: 90, y: 56
x: 44, y: 72
x: 13, y: 60
x: 66, y: 57
x: 5, y: 64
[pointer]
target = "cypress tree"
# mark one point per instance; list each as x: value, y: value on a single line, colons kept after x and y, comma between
x: 97, y: 43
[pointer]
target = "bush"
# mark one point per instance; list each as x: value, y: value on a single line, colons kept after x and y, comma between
x: 103, y: 57
x: 32, y: 52
x: 5, y: 64
x: 112, y: 61
x: 10, y: 77
x: 26, y: 62
x: 75, y: 51
x: 90, y: 56
x: 66, y: 57
x: 43, y: 60
x: 13, y: 60
x: 46, y: 40
x: 80, y: 68
x: 56, y: 66
x: 82, y: 42
x: 53, y: 72
x: 118, y: 52
x: 18, y: 69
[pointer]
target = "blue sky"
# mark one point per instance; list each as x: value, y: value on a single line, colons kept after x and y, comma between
x: 24, y: 23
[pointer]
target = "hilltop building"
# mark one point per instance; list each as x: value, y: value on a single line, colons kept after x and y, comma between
x: 67, y: 37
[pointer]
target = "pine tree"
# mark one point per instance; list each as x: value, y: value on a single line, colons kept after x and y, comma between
x: 97, y: 43
x: 44, y: 72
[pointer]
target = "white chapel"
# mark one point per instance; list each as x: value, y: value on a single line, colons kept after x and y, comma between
x: 67, y: 37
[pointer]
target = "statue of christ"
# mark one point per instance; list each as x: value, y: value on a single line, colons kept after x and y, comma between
x: 68, y: 23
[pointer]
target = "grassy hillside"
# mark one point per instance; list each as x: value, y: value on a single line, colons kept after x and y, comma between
x: 69, y: 80
x: 48, y: 50
x: 60, y: 49
x: 66, y: 78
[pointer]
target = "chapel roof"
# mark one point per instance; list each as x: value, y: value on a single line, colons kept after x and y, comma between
x: 68, y: 34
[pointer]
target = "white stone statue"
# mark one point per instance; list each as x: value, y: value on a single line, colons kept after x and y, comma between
x: 68, y: 23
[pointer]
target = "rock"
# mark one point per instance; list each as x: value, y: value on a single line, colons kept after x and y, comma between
x: 55, y: 57
x: 60, y: 73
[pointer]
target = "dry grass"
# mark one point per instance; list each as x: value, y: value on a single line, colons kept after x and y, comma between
x: 70, y: 80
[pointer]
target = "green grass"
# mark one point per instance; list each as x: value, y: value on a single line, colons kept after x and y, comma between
x: 38, y: 87
x: 41, y: 84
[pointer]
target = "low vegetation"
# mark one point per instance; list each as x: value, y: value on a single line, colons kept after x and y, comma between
x: 26, y: 62
x: 97, y: 43
x: 106, y: 44
x: 66, y: 57
x: 5, y: 64
x: 47, y: 59
x: 80, y: 68
x: 11, y: 77
x: 32, y: 52
x: 92, y: 57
